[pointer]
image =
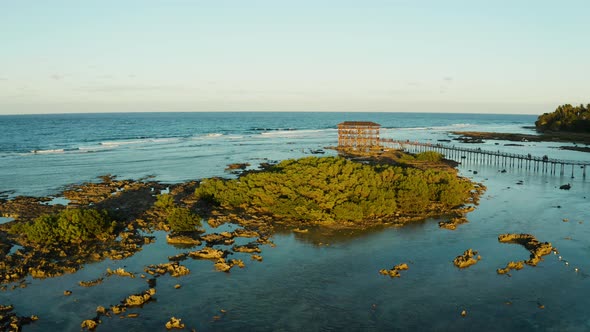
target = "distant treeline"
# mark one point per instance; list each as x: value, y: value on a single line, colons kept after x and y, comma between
x: 566, y: 118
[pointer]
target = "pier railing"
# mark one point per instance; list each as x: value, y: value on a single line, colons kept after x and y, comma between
x: 502, y: 159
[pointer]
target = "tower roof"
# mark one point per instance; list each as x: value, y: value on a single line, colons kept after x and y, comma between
x: 359, y: 123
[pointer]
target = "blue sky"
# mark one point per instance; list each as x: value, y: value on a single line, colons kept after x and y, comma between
x: 398, y: 56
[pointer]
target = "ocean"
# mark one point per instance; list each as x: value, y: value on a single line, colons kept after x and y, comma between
x: 308, y: 282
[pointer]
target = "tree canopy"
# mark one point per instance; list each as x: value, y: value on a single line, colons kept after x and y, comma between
x: 566, y: 118
x: 67, y: 226
x: 334, y: 189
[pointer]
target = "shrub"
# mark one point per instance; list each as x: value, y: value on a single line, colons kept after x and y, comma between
x: 429, y: 156
x: 164, y: 202
x: 183, y: 220
x: 68, y: 226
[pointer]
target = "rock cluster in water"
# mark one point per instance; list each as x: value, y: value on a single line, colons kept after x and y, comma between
x: 535, y: 247
x: 453, y: 223
x: 174, y: 323
x: 172, y: 268
x: 468, y: 258
x: 10, y: 321
x: 394, y: 272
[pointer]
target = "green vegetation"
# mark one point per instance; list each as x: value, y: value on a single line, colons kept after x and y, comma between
x: 333, y: 189
x: 429, y: 156
x: 183, y: 220
x: 164, y: 202
x: 566, y: 118
x: 179, y: 219
x: 67, y: 226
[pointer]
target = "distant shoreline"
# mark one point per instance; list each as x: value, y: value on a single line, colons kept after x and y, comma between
x: 576, y: 138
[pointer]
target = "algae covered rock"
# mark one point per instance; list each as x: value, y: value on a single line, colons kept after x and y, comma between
x: 394, y: 272
x: 139, y: 299
x: 174, y: 323
x: 173, y: 268
x: 207, y: 253
x: 467, y: 259
x: 511, y: 266
x: 89, y: 324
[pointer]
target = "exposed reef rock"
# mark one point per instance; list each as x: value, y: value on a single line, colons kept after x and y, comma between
x: 174, y: 323
x: 207, y: 253
x: 452, y: 224
x: 225, y: 238
x: 237, y: 166
x: 187, y: 239
x: 225, y: 266
x: 247, y: 248
x: 511, y: 266
x: 89, y: 324
x: 26, y: 208
x: 467, y: 259
x: 173, y: 268
x: 535, y: 247
x: 241, y: 232
x: 120, y: 272
x: 10, y: 321
x: 178, y: 258
x: 123, y: 200
x: 91, y: 283
x: 139, y: 299
x: 394, y: 272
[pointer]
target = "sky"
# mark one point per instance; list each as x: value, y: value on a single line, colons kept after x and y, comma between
x: 473, y: 56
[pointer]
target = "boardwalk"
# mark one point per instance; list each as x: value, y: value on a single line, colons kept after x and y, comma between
x: 501, y: 159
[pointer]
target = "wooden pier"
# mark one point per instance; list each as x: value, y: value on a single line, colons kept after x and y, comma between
x: 501, y: 159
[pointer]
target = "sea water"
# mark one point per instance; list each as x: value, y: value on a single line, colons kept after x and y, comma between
x: 309, y: 282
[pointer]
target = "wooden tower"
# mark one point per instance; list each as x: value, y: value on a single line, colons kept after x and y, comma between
x: 358, y: 134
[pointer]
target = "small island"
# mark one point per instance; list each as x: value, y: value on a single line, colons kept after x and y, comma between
x: 566, y: 118
x: 336, y: 192
x: 566, y: 124
x: 113, y: 218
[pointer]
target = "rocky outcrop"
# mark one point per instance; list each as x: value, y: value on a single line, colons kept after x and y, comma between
x: 24, y: 208
x: 394, y: 272
x: 452, y: 223
x: 511, y: 266
x: 207, y: 253
x: 247, y: 248
x: 535, y: 247
x: 178, y: 258
x: 467, y: 259
x: 173, y: 268
x: 225, y: 266
x: 174, y: 323
x: 242, y: 232
x: 91, y: 283
x: 120, y: 272
x: 89, y: 324
x: 139, y: 299
x: 186, y: 239
x: 225, y: 238
x: 10, y: 321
